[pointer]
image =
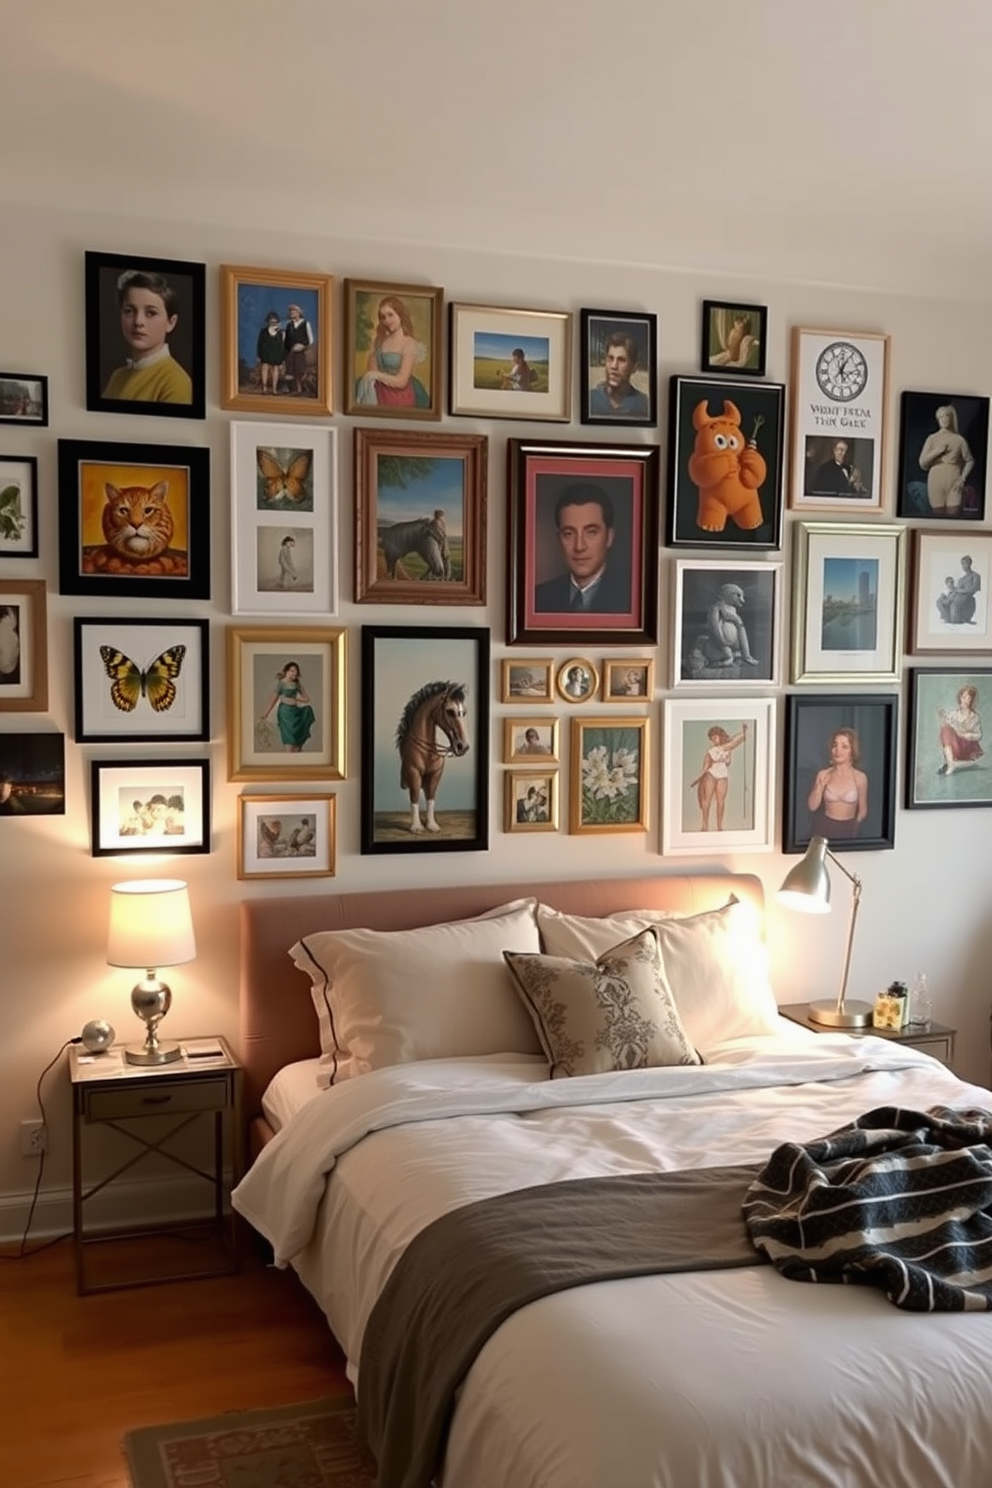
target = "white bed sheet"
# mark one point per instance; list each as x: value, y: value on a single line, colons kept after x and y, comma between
x: 729, y: 1379
x: 289, y: 1090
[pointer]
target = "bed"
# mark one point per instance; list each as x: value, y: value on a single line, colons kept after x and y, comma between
x: 723, y: 1377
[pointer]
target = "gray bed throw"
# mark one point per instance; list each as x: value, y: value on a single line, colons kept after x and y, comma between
x: 898, y: 1199
x: 468, y: 1271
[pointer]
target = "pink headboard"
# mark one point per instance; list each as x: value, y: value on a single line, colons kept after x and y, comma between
x: 278, y: 1022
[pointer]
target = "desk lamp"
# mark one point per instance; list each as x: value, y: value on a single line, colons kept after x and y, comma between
x: 807, y: 887
x: 150, y: 926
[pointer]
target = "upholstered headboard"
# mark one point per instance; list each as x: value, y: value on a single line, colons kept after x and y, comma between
x: 278, y: 1022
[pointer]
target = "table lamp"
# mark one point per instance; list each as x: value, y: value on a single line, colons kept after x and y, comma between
x: 807, y: 887
x: 150, y: 926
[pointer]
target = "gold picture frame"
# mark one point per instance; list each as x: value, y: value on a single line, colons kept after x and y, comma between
x: 577, y: 680
x: 628, y: 679
x: 249, y: 297
x: 376, y: 385
x: 23, y: 646
x: 282, y: 727
x: 529, y: 680
x: 529, y: 737
x: 287, y: 836
x: 610, y: 783
x: 530, y: 801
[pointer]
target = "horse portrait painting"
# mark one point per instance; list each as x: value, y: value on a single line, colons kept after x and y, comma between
x: 423, y: 538
x: 431, y: 730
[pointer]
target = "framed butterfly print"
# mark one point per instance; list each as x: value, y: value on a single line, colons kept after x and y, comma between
x: 141, y: 681
x: 284, y: 525
x: 155, y: 807
x: 134, y: 520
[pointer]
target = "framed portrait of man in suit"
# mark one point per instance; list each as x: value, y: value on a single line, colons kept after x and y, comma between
x: 583, y: 543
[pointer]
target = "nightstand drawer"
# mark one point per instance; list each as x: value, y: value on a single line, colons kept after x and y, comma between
x: 940, y: 1048
x: 155, y: 1098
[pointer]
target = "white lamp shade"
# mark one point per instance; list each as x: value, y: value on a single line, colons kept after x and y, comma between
x: 150, y: 924
x: 807, y: 886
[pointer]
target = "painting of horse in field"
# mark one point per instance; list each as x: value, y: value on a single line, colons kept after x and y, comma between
x: 425, y: 739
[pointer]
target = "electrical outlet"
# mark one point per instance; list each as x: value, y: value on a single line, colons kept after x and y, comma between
x: 34, y: 1138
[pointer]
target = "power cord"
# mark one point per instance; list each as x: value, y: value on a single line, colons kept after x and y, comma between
x: 22, y: 1252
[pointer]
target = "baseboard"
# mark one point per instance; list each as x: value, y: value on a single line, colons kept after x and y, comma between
x: 149, y: 1202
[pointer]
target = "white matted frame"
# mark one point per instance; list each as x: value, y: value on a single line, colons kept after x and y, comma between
x: 839, y: 397
x: 140, y: 681
x: 287, y: 836
x: 159, y: 806
x: 719, y: 765
x: 848, y: 586
x: 950, y: 586
x: 726, y: 624
x: 506, y: 363
x: 284, y: 548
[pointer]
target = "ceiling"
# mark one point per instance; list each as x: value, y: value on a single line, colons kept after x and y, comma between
x: 777, y: 138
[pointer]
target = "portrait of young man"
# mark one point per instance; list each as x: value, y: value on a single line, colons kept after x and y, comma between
x: 617, y: 365
x: 593, y: 573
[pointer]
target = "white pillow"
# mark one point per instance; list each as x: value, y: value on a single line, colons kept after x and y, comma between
x: 614, y: 1013
x: 388, y: 997
x: 715, y: 962
x: 584, y: 937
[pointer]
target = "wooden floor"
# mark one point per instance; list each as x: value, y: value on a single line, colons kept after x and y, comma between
x: 77, y: 1372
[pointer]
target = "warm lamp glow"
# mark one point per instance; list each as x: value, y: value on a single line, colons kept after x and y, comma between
x: 150, y: 926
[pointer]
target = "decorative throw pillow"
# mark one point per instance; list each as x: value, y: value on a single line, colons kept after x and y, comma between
x: 584, y: 937
x: 391, y: 996
x: 717, y: 967
x: 614, y: 1013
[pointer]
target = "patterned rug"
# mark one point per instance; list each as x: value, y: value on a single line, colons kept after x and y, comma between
x: 315, y: 1445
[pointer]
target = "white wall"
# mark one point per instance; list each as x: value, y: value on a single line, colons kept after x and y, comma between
x: 926, y: 904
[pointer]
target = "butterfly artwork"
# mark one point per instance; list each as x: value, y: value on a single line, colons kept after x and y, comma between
x: 129, y: 683
x: 284, y: 482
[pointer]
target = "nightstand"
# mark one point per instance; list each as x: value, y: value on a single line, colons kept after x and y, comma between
x: 937, y: 1040
x: 156, y: 1110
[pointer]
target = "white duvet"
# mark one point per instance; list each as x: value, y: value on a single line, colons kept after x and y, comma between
x: 725, y: 1379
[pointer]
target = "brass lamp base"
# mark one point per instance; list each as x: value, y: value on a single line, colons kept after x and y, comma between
x: 152, y: 1054
x: 851, y: 1015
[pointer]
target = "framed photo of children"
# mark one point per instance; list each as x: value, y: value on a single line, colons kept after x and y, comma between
x: 943, y: 456
x: 725, y: 463
x: 530, y: 801
x: 276, y: 352
x: 286, y: 703
x: 145, y: 335
x: 848, y: 601
x: 609, y: 775
x: 18, y: 506
x: 155, y: 807
x: 839, y: 400
x: 23, y: 399
x: 583, y: 556
x: 32, y: 774
x: 726, y: 630
x: 946, y: 763
x: 734, y: 338
x: 618, y: 367
x: 719, y: 776
x: 141, y: 681
x: 949, y: 591
x: 425, y: 739
x: 134, y: 520
x: 420, y: 529
x: 392, y: 358
x: 23, y: 646
x: 840, y: 771
x: 510, y: 363
x: 284, y: 545
x: 287, y: 836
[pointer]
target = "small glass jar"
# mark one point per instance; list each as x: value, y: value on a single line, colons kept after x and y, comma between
x: 920, y: 1003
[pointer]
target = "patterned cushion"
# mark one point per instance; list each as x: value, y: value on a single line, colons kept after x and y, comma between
x: 615, y: 1013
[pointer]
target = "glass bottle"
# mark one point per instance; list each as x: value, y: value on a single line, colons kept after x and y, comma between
x: 920, y: 1002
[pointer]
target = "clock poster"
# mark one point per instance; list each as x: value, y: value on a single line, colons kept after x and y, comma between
x: 839, y: 399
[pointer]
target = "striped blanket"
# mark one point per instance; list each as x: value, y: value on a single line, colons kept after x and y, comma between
x: 898, y: 1199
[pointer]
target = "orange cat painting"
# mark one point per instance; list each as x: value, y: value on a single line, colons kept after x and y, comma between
x: 134, y: 521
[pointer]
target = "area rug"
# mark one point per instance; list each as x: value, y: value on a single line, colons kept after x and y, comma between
x: 315, y: 1445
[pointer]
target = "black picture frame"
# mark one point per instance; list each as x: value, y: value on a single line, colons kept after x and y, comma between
x: 727, y: 623
x: 24, y: 399
x: 18, y: 506
x: 539, y: 472
x: 107, y: 351
x: 404, y: 666
x: 810, y: 724
x: 929, y: 492
x: 635, y: 334
x: 734, y: 338
x: 87, y: 563
x: 953, y: 769
x: 149, y: 808
x: 756, y: 409
x: 118, y: 661
x: 34, y: 766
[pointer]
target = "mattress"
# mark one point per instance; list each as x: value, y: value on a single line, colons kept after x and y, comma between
x: 711, y: 1379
